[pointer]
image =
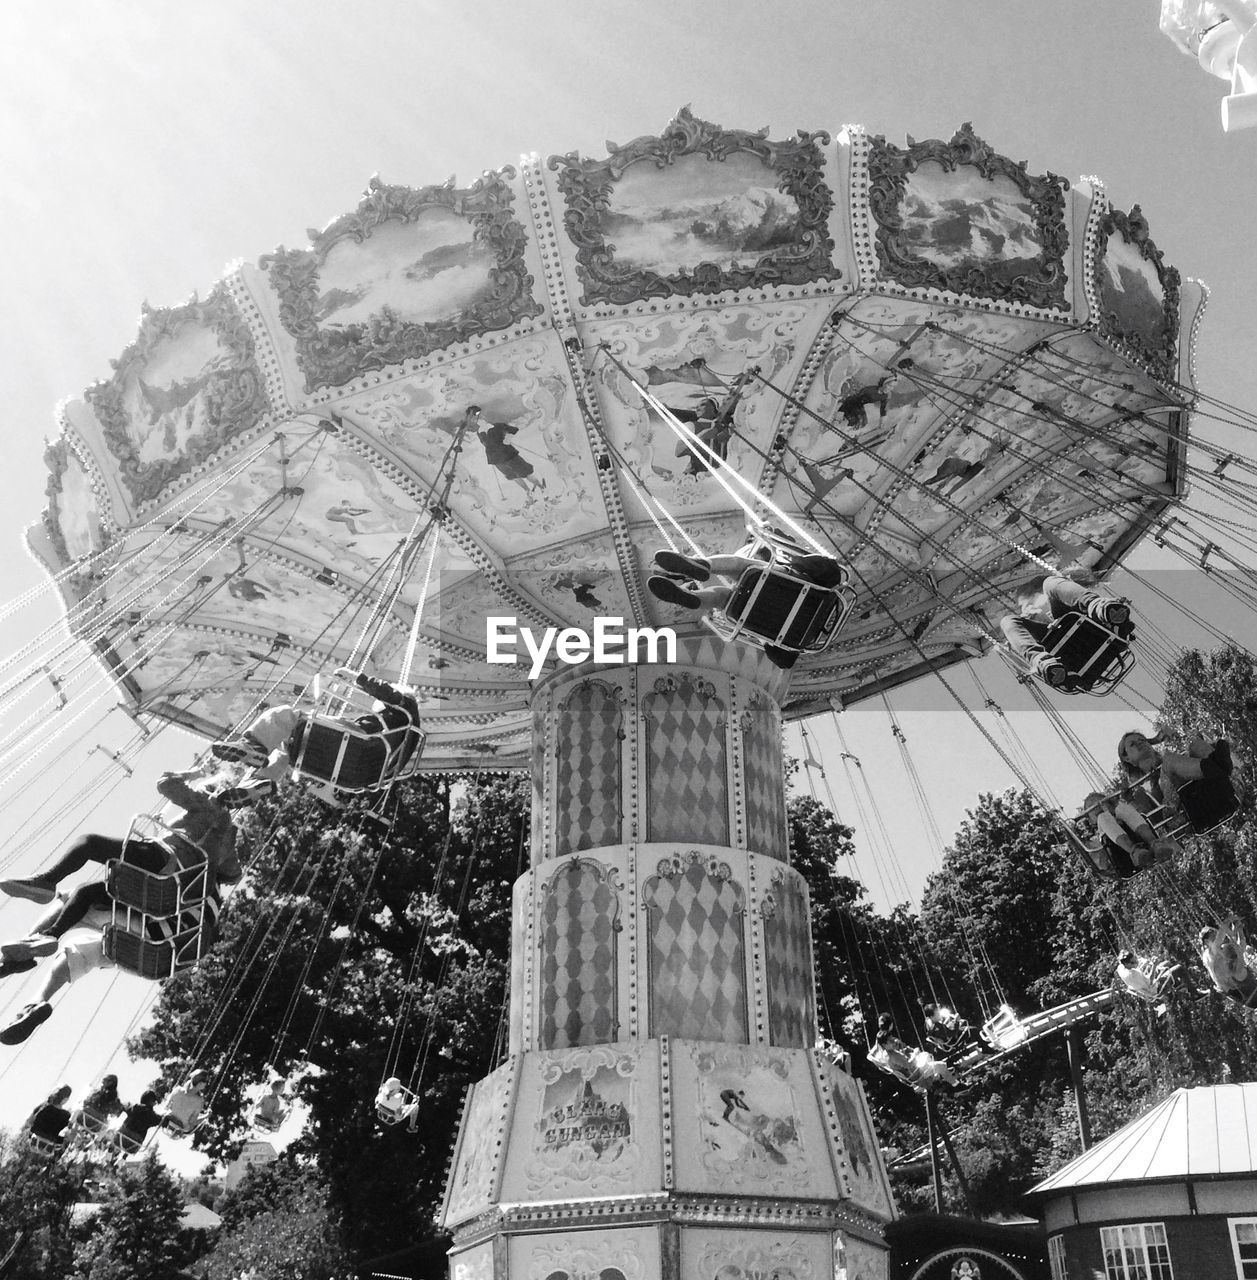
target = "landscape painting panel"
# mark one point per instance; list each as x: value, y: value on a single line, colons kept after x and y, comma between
x: 426, y: 271
x: 958, y: 218
x: 697, y: 210
x: 1131, y: 291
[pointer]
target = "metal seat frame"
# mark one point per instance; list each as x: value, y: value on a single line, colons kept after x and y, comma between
x: 353, y: 745
x: 1109, y: 648
x: 162, y: 921
x: 1003, y: 1029
x: 810, y: 623
x: 393, y: 1115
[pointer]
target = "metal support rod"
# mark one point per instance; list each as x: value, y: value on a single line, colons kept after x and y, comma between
x: 1074, y: 1048
x: 931, y: 1117
x: 945, y: 1134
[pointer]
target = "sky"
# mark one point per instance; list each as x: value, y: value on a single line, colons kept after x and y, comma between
x: 146, y: 146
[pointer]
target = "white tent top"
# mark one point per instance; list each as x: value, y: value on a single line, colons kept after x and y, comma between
x: 1208, y: 1131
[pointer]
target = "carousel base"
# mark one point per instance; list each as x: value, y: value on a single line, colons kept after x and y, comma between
x: 666, y: 1159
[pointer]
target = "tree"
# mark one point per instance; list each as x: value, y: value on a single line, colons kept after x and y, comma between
x: 35, y: 1199
x: 277, y: 1226
x: 348, y: 956
x: 134, y: 1236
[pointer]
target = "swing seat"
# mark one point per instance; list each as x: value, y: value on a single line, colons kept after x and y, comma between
x: 156, y: 944
x: 48, y: 1148
x: 1207, y: 803
x: 351, y: 760
x: 1003, y: 1030
x: 394, y: 1111
x: 771, y: 606
x: 1099, y: 658
x: 268, y: 1124
x: 895, y: 1065
x: 949, y: 1040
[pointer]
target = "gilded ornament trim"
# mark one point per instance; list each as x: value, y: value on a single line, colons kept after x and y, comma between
x: 1133, y: 228
x: 889, y: 167
x: 586, y: 186
x: 330, y: 357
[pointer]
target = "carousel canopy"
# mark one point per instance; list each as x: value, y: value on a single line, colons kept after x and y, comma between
x: 951, y: 370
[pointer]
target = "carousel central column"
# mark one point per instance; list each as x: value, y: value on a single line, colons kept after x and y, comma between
x: 663, y: 1112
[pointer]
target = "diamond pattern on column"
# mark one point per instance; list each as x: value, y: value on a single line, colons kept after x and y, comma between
x: 580, y: 911
x: 696, y: 950
x: 763, y: 780
x: 788, y: 962
x: 588, y: 738
x: 538, y: 780
x: 686, y: 773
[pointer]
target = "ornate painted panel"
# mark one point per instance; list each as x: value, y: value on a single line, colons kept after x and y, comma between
x: 687, y: 779
x: 588, y: 743
x: 408, y: 272
x: 629, y: 1253
x: 746, y: 1123
x: 711, y: 1253
x: 475, y: 1263
x: 182, y: 390
x: 480, y: 1150
x: 698, y: 210
x: 960, y: 217
x: 696, y: 949
x: 763, y: 783
x: 869, y: 1188
x: 864, y: 1261
x: 579, y: 927
x: 586, y: 1125
x: 786, y: 924
x: 1138, y: 292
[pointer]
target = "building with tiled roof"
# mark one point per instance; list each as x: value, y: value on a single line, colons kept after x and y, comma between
x: 1170, y: 1196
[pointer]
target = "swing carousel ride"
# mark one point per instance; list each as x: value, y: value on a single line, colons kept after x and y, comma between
x: 947, y: 370
x: 463, y: 420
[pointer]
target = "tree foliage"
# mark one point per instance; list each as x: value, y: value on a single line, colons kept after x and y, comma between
x: 346, y: 956
x: 349, y: 954
x: 277, y: 1226
x: 134, y: 1234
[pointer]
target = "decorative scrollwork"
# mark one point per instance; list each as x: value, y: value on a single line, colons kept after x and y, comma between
x: 334, y: 354
x: 797, y: 164
x: 229, y: 394
x: 1157, y: 348
x: 1037, y: 282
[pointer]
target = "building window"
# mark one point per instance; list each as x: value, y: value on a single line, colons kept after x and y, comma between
x: 1056, y: 1258
x: 1137, y: 1252
x: 1244, y: 1244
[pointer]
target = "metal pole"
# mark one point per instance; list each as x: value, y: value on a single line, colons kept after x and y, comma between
x: 1074, y: 1048
x: 930, y: 1119
x: 945, y: 1134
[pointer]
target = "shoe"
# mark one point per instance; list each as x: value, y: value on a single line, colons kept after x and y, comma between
x: 1114, y: 614
x: 669, y: 591
x: 693, y: 567
x: 34, y: 889
x: 34, y: 1015
x: 1164, y: 849
x: 247, y: 793
x: 779, y: 657
x: 9, y: 967
x: 238, y: 753
x: 1053, y: 672
x: 32, y: 948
